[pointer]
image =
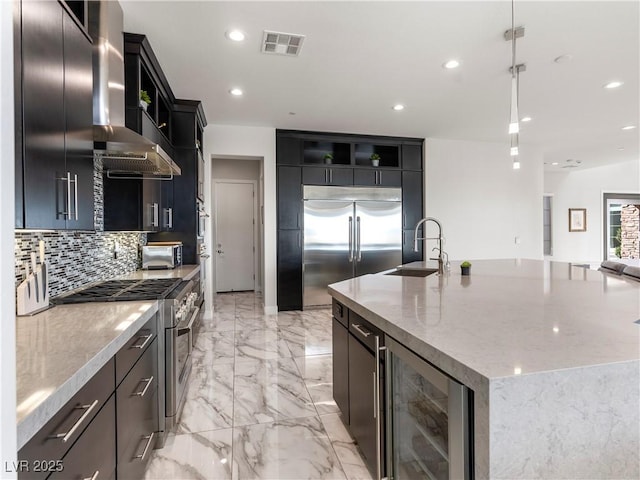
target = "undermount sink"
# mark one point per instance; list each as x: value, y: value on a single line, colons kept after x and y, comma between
x: 407, y: 272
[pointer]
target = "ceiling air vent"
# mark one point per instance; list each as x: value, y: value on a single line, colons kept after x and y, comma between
x: 282, y: 43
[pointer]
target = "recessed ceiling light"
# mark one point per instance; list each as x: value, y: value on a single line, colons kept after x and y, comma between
x: 628, y: 127
x: 235, y: 35
x: 236, y: 92
x: 451, y: 64
x: 566, y: 58
x: 554, y: 163
x: 525, y: 119
x: 620, y: 148
x: 398, y: 107
x: 611, y: 85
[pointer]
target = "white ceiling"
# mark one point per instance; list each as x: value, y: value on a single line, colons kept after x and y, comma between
x: 360, y: 58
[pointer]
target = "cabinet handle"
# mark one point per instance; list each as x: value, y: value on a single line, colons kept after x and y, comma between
x: 149, y: 439
x: 375, y: 396
x: 379, y: 178
x: 359, y: 256
x: 330, y: 176
x: 376, y: 179
x: 156, y: 220
x: 350, y: 239
x: 75, y: 187
x: 326, y: 175
x: 170, y: 217
x: 65, y: 436
x: 376, y: 402
x: 358, y: 328
x: 146, y: 387
x: 143, y: 344
x: 69, y: 195
x: 94, y: 476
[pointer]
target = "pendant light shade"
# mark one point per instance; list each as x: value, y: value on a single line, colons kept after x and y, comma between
x: 514, y: 122
x: 514, y: 125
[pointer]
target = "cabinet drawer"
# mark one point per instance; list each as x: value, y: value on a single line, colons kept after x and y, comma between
x: 95, y: 450
x: 137, y: 415
x: 129, y: 354
x: 340, y: 312
x: 364, y: 331
x: 71, y: 420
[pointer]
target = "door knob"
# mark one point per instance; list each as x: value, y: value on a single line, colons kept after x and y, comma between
x: 220, y: 251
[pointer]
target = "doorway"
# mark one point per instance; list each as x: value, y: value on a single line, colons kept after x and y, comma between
x: 621, y: 226
x: 235, y: 212
x: 546, y: 225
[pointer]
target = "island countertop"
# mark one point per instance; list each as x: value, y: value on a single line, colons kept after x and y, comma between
x: 60, y: 349
x: 509, y: 317
x: 551, y: 352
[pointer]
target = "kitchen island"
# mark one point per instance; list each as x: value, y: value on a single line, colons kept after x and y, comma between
x: 551, y: 352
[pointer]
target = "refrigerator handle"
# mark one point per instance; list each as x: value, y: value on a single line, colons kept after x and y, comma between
x: 350, y: 239
x: 359, y: 253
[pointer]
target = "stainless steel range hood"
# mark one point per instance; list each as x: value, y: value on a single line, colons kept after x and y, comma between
x: 121, y: 149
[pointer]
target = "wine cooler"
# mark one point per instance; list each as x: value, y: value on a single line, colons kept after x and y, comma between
x: 428, y: 420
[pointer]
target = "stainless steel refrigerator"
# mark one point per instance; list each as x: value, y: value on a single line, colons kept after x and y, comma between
x: 348, y: 231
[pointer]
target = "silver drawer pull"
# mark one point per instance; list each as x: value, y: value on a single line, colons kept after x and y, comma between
x: 146, y: 387
x: 67, y: 435
x: 359, y: 329
x: 143, y: 344
x: 94, y: 476
x: 149, y: 439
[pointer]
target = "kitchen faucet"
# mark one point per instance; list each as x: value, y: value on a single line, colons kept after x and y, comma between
x: 438, y: 238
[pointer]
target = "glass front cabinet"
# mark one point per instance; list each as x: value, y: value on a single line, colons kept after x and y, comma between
x: 428, y: 420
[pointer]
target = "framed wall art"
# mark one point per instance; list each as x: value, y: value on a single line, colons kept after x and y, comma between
x: 577, y: 219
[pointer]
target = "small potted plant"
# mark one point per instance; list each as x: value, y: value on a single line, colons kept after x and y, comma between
x: 375, y: 159
x: 328, y: 158
x: 465, y: 268
x: 145, y: 99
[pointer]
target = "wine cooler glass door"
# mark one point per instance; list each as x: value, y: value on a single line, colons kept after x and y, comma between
x: 427, y: 420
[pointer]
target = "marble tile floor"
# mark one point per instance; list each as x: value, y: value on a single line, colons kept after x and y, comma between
x: 259, y: 402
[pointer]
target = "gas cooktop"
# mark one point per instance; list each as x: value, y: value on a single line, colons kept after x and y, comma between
x: 122, y: 290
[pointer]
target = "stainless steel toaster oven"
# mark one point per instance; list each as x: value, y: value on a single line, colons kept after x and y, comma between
x: 158, y: 255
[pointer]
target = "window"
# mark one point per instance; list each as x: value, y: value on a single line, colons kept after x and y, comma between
x: 621, y: 226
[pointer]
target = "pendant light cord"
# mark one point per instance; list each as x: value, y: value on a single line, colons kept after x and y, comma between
x: 513, y: 40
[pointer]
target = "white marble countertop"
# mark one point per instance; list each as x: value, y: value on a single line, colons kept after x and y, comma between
x: 186, y: 272
x: 509, y: 317
x: 60, y: 349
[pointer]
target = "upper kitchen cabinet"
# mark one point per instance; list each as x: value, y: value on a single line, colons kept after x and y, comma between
x: 412, y: 157
x: 288, y: 150
x: 142, y: 72
x: 54, y: 118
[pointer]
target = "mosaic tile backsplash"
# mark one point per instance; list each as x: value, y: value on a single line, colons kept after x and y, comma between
x: 77, y: 258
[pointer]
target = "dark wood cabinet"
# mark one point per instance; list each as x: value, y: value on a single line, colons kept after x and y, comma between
x: 94, y: 454
x: 289, y: 198
x: 54, y: 120
x: 327, y: 176
x: 412, y: 198
x: 340, y: 348
x: 289, y: 269
x: 377, y: 177
x: 288, y: 151
x: 412, y: 157
x: 132, y: 204
x: 408, y: 255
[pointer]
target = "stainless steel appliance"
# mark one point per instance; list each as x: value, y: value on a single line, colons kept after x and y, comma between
x: 348, y: 231
x: 427, y: 420
x: 158, y: 255
x: 178, y: 315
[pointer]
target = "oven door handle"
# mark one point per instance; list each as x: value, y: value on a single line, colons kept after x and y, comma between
x: 184, y: 329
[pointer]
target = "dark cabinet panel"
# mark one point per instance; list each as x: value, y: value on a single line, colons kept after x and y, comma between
x: 412, y: 199
x: 289, y: 270
x: 327, y: 176
x: 95, y: 450
x: 45, y: 193
x: 408, y: 255
x: 340, y: 348
x: 362, y: 424
x: 78, y: 108
x: 373, y: 177
x: 288, y: 151
x: 289, y: 198
x: 412, y: 157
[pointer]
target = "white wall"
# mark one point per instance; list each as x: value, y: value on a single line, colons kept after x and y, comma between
x: 229, y: 141
x: 584, y: 189
x: 482, y: 203
x: 7, y: 303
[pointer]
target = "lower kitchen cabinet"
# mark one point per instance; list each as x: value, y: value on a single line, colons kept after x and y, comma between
x: 137, y: 415
x: 340, y: 344
x: 93, y: 456
x: 289, y: 270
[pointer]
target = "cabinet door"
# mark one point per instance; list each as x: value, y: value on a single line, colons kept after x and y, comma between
x: 340, y: 344
x: 408, y: 255
x: 122, y: 204
x: 78, y: 109
x: 327, y: 176
x: 95, y: 450
x: 288, y: 151
x: 200, y: 177
x: 377, y: 177
x: 152, y: 205
x: 289, y: 270
x: 45, y: 194
x: 412, y: 199
x: 289, y: 198
x: 412, y: 157
x: 362, y: 423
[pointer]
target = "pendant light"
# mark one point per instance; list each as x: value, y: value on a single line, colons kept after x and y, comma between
x: 514, y: 122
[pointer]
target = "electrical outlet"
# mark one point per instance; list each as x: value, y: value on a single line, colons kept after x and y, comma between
x: 517, y: 240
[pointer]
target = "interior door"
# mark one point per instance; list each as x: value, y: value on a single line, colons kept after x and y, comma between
x: 378, y: 236
x: 235, y: 237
